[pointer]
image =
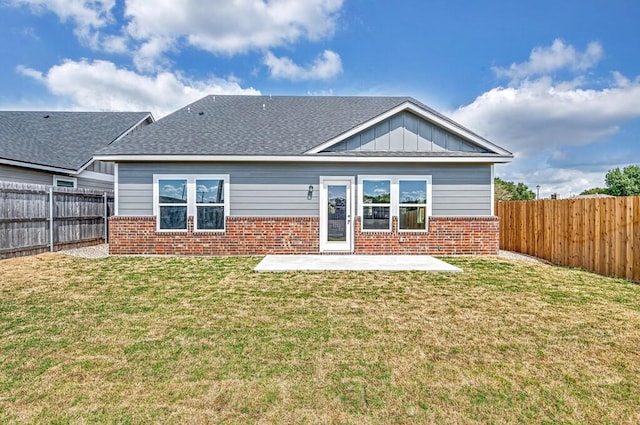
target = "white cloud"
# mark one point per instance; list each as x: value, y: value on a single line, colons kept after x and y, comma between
x: 324, y: 67
x: 87, y: 15
x: 151, y: 29
x: 543, y: 119
x: 101, y: 85
x: 228, y: 27
x: 542, y: 114
x: 558, y: 56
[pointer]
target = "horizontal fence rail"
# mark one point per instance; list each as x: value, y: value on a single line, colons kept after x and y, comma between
x: 38, y: 218
x: 598, y: 234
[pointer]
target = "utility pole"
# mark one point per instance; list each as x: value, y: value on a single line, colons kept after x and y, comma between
x: 538, y: 191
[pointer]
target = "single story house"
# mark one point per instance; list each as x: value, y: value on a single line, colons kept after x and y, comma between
x: 56, y: 148
x: 302, y: 175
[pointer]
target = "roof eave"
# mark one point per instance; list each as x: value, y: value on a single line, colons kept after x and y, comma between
x: 303, y: 158
x: 41, y: 167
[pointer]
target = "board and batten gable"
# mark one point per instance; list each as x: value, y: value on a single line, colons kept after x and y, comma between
x: 281, y: 189
x: 405, y: 132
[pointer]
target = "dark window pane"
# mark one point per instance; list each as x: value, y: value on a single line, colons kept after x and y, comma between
x: 376, y: 191
x: 173, y: 191
x: 173, y: 218
x: 210, y: 218
x: 337, y: 213
x: 413, y: 192
x: 375, y: 218
x: 65, y: 183
x: 412, y: 218
x: 210, y: 191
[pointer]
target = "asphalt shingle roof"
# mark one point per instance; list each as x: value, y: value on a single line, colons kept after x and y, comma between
x: 60, y: 139
x: 255, y: 125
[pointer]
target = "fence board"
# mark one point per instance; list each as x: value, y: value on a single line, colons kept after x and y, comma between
x: 597, y: 234
x: 78, y: 217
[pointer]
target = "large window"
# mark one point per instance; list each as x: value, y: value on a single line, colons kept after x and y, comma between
x: 406, y: 197
x: 412, y: 204
x: 210, y: 204
x: 376, y: 202
x: 172, y: 203
x: 204, y: 197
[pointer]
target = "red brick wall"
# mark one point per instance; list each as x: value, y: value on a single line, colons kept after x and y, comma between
x: 300, y: 235
x: 243, y: 236
x: 446, y: 236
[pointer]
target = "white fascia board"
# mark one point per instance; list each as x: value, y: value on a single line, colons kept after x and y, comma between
x: 303, y: 158
x: 130, y: 129
x: 37, y: 166
x: 422, y: 113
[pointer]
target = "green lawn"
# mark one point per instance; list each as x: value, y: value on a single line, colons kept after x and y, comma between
x: 207, y: 340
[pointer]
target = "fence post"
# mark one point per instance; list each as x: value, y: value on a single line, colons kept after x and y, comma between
x: 106, y: 212
x: 51, y: 242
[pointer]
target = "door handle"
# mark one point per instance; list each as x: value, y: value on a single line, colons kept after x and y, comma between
x: 348, y: 218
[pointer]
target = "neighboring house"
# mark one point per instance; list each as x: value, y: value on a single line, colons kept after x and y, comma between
x: 56, y: 148
x: 281, y: 174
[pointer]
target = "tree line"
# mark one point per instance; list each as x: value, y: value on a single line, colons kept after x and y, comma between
x: 618, y: 182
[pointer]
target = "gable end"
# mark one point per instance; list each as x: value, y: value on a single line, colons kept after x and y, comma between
x: 405, y: 132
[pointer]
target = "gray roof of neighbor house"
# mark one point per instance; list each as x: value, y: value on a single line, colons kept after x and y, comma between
x: 259, y: 125
x: 65, y: 140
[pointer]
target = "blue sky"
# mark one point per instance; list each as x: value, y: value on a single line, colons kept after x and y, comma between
x: 555, y: 82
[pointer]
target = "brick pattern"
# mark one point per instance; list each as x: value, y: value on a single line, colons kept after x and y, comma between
x: 242, y: 236
x: 445, y: 236
x: 300, y: 235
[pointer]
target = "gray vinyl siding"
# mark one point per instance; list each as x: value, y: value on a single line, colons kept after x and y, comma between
x: 101, y: 167
x: 280, y: 189
x: 9, y: 173
x: 85, y: 183
x: 25, y: 175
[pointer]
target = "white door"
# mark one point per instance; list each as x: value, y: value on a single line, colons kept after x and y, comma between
x: 336, y: 214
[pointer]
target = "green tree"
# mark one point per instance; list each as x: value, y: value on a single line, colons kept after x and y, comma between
x: 625, y: 182
x: 509, y: 191
x: 595, y: 191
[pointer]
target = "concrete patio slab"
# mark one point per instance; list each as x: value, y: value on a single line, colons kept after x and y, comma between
x: 285, y: 263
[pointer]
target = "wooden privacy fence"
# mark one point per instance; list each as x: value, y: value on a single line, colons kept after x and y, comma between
x: 598, y: 234
x: 37, y: 218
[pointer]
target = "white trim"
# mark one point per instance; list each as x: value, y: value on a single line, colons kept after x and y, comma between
x: 225, y: 204
x: 116, y: 189
x: 305, y: 158
x: 96, y: 176
x: 191, y: 198
x: 429, y: 211
x: 348, y: 245
x: 130, y: 129
x: 57, y: 179
x: 361, y: 200
x: 394, y: 210
x: 422, y: 113
x: 492, y: 191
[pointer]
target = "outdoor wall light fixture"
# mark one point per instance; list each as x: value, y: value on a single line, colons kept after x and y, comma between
x: 310, y: 192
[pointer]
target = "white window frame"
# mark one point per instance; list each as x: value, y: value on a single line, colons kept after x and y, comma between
x: 428, y: 207
x: 191, y: 199
x: 395, y: 198
x: 361, y: 204
x: 73, y: 180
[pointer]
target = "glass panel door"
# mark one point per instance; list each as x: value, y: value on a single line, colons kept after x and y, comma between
x: 336, y: 226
